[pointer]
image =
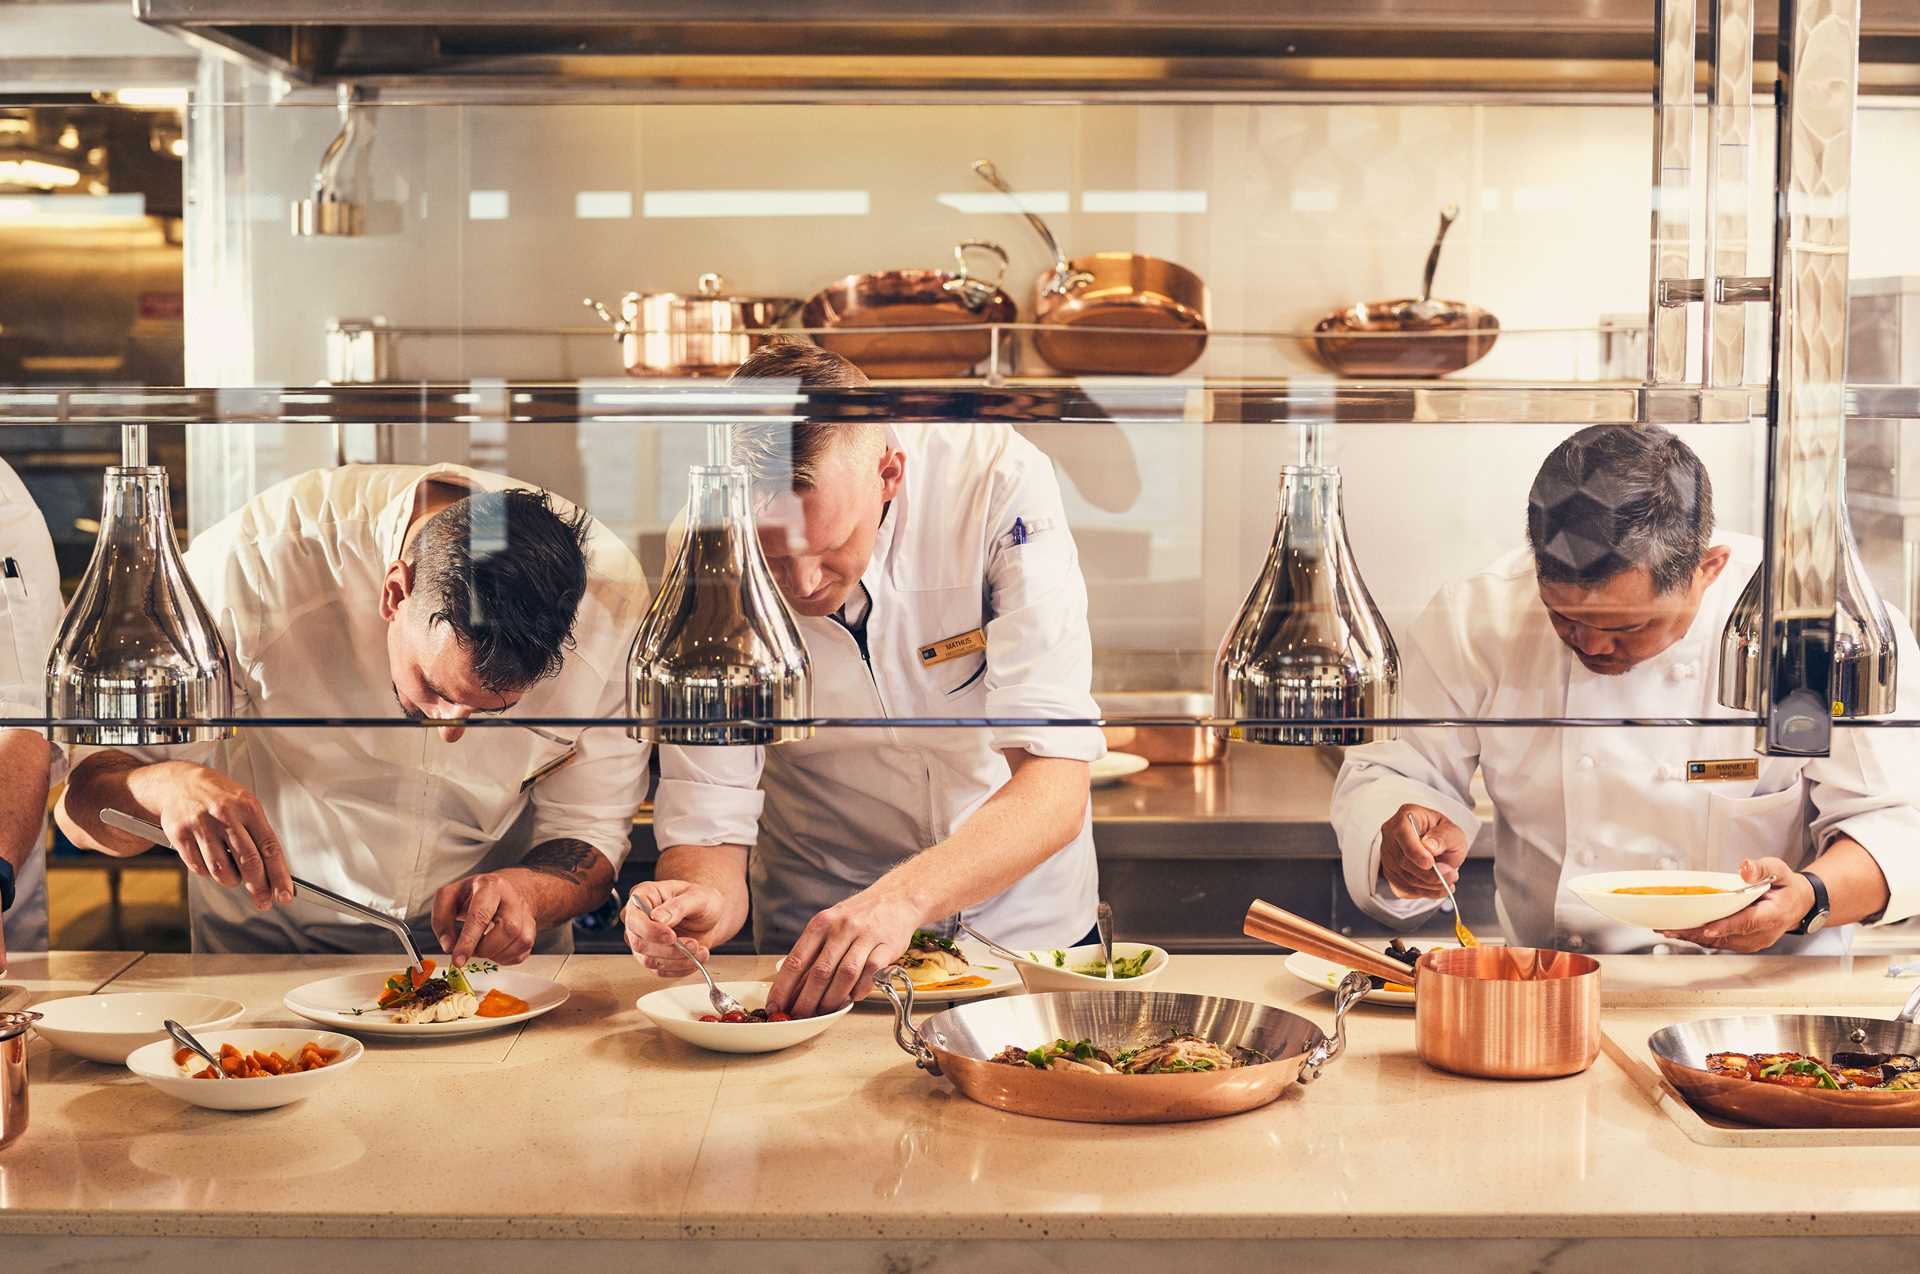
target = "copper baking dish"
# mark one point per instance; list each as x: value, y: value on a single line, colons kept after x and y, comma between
x: 1407, y: 336
x: 1493, y: 1012
x: 13, y: 1074
x: 709, y: 333
x: 878, y: 321
x: 1113, y: 313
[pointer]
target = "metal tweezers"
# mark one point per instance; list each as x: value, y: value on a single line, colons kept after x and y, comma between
x: 155, y: 833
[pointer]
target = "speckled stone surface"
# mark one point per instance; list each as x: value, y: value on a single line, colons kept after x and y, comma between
x: 594, y: 1125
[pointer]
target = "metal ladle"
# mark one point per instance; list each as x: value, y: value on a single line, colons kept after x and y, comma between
x: 723, y: 1003
x: 183, y: 1037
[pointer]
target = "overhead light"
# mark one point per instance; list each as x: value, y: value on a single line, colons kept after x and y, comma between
x: 603, y: 205
x: 69, y: 210
x: 38, y: 173
x: 1177, y: 201
x: 333, y: 205
x: 755, y: 203
x: 177, y: 148
x: 994, y: 201
x: 154, y: 98
x: 69, y: 138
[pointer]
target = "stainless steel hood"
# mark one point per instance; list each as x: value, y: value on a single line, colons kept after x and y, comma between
x: 812, y: 48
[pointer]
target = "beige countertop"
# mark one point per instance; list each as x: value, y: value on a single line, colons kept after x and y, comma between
x: 590, y: 1123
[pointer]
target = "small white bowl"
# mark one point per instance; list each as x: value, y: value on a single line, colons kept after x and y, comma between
x: 1040, y: 973
x: 106, y: 1028
x: 1665, y: 911
x: 154, y: 1063
x: 677, y: 1010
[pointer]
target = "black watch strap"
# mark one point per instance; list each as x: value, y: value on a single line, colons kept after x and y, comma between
x: 6, y: 885
x: 1816, y: 918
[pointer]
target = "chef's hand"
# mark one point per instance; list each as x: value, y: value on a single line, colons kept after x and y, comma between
x: 1762, y: 922
x: 219, y: 829
x: 839, y: 951
x: 1411, y: 843
x: 681, y: 909
x: 490, y: 916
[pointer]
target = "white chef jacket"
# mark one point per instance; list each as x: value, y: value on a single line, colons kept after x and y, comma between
x: 30, y: 611
x: 840, y: 809
x: 1568, y: 802
x: 388, y: 815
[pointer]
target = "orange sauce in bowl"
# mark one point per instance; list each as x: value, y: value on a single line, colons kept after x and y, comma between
x: 1673, y: 891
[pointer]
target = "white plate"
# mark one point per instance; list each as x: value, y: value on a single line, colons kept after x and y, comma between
x: 1042, y: 974
x: 1113, y: 767
x: 1326, y: 975
x: 330, y: 1003
x: 154, y: 1063
x: 1000, y: 974
x: 1665, y: 911
x: 106, y: 1028
x: 677, y: 1010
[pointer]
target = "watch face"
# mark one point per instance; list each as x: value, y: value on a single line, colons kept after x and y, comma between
x: 1816, y: 922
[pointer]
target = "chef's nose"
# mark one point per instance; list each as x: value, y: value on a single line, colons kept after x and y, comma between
x: 804, y: 576
x: 1592, y: 641
x: 456, y: 716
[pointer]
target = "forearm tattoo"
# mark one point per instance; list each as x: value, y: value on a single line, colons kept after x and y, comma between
x: 569, y: 860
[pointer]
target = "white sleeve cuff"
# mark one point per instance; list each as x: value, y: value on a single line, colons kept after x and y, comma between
x: 708, y: 796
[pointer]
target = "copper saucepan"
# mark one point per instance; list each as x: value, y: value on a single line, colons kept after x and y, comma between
x: 888, y: 323
x: 13, y: 1074
x: 707, y: 334
x: 1495, y: 1012
x: 1162, y: 306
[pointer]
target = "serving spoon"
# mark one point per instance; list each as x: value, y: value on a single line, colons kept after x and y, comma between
x: 1103, y: 923
x: 723, y: 1003
x: 183, y: 1037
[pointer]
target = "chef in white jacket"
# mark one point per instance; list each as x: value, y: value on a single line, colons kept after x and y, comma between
x: 1615, y: 610
x: 933, y: 575
x: 30, y: 612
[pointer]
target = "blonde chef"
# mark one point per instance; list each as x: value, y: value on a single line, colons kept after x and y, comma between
x: 1615, y: 610
x: 30, y: 611
x: 934, y: 576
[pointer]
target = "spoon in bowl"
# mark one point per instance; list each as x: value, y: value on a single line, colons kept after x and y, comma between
x: 183, y: 1037
x: 1103, y: 923
x: 723, y: 1003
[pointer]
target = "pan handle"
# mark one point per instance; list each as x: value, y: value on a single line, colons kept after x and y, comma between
x: 1353, y: 989
x: 1065, y: 279
x: 890, y: 980
x: 1911, y: 1012
x: 619, y: 327
x: 976, y: 291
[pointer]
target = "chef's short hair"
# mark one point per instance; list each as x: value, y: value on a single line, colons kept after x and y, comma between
x: 505, y: 570
x: 785, y: 454
x: 1615, y: 497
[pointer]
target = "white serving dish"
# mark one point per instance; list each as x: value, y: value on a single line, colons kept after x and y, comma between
x: 331, y: 1003
x: 1665, y: 911
x: 677, y: 1010
x: 1113, y: 768
x: 107, y: 1028
x: 154, y: 1063
x: 1001, y: 977
x: 1326, y: 975
x: 1039, y: 973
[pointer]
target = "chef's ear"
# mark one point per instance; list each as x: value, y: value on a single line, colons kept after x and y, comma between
x: 1712, y: 562
x: 394, y: 589
x: 893, y: 472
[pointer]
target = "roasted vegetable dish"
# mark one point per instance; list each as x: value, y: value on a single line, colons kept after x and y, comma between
x: 1176, y: 1055
x: 418, y: 995
x: 258, y: 1065
x: 1846, y: 1072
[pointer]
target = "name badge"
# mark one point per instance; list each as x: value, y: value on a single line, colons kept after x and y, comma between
x: 1744, y: 770
x: 953, y: 647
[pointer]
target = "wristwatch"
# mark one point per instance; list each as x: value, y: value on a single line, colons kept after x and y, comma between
x: 1816, y: 918
x: 6, y: 884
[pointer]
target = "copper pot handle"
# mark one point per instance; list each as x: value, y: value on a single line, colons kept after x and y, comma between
x: 1284, y: 929
x: 889, y: 981
x: 1066, y: 279
x: 1353, y: 989
x: 975, y: 292
x: 619, y: 327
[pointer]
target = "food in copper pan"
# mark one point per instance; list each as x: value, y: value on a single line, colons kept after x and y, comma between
x: 258, y: 1065
x: 1846, y: 1072
x: 1179, y: 1054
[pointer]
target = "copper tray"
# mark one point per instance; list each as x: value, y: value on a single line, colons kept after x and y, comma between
x: 863, y: 315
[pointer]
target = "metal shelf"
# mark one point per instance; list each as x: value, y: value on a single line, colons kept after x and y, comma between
x: 1305, y: 400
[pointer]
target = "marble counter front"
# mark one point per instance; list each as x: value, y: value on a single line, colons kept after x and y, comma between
x: 592, y: 1125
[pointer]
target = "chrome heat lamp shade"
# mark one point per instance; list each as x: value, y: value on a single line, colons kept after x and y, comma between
x: 719, y: 644
x: 1309, y: 644
x: 1865, y: 654
x: 137, y: 645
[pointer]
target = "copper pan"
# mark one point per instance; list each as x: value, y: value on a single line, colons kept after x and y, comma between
x: 1113, y: 313
x: 888, y: 323
x: 959, y: 1042
x: 1494, y: 1012
x: 13, y: 1074
x: 1407, y: 336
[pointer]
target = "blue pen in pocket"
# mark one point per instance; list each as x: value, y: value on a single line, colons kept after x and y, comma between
x: 1019, y: 531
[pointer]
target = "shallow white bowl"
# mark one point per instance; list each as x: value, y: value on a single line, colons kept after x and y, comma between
x: 154, y: 1063
x: 677, y: 1011
x: 1664, y: 911
x: 1041, y: 974
x: 106, y: 1028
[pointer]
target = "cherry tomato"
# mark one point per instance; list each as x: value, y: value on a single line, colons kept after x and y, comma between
x: 778, y: 1016
x: 735, y: 1016
x: 709, y: 1017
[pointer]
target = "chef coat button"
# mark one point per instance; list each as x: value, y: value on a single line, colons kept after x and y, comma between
x: 1575, y: 942
x: 1586, y: 763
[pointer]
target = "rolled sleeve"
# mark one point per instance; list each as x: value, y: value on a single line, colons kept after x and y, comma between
x: 594, y: 796
x: 1039, y: 649
x: 708, y: 796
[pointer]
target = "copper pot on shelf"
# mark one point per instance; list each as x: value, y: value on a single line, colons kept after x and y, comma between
x: 889, y: 323
x: 1407, y: 337
x: 13, y: 1074
x: 708, y: 333
x: 1112, y: 313
x: 1490, y: 1012
x: 1163, y: 744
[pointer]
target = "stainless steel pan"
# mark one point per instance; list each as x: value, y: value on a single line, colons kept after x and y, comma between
x: 1681, y: 1050
x: 958, y: 1043
x: 709, y: 333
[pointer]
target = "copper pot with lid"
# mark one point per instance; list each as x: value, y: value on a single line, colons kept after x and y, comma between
x: 893, y: 324
x: 708, y: 333
x: 1408, y: 337
x: 1112, y: 313
x: 13, y: 1074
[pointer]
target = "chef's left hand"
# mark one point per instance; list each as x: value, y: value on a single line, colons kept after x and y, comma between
x: 489, y: 916
x: 839, y: 952
x: 1763, y: 922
